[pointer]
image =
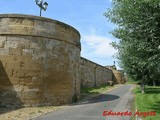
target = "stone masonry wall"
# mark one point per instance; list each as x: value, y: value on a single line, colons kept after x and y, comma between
x: 39, y: 61
x: 93, y: 74
x: 119, y: 77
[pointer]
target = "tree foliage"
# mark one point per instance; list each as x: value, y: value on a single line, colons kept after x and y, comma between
x: 138, y: 30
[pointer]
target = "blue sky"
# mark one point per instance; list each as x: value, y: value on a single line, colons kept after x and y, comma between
x: 84, y: 15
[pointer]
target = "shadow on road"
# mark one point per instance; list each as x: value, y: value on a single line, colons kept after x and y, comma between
x: 98, y: 98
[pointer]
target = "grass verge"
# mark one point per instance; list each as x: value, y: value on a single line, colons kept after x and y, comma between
x: 95, y: 90
x: 150, y: 101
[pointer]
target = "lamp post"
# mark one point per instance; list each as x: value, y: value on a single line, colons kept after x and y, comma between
x: 42, y: 5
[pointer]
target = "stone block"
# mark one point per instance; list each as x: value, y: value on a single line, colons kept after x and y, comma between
x: 2, y: 41
x: 2, y: 44
x: 15, y: 51
x: 14, y: 80
x: 4, y: 51
x: 32, y: 95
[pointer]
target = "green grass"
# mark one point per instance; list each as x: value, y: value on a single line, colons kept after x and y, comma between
x: 150, y: 101
x: 95, y: 90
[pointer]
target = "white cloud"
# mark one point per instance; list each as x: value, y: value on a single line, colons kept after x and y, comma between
x: 98, y: 46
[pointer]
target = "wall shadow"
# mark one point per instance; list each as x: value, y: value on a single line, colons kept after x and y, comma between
x: 97, y: 99
x: 152, y: 90
x: 9, y: 99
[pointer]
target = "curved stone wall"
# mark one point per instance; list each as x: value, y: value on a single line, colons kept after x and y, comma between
x: 39, y: 61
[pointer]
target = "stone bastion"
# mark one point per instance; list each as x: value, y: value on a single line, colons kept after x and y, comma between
x: 39, y: 61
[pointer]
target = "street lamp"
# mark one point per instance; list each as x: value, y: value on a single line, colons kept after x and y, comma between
x: 43, y: 6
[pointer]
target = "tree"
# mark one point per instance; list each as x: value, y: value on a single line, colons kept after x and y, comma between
x: 138, y: 30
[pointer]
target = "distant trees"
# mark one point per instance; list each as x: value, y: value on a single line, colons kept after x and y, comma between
x: 138, y: 29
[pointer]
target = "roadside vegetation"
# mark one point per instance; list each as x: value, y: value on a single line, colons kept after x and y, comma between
x: 95, y: 90
x: 132, y: 81
x: 137, y: 29
x: 150, y: 101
